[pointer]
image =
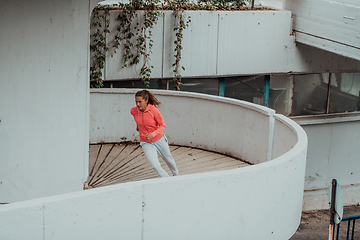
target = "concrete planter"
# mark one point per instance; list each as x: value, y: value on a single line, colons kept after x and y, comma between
x: 216, y: 43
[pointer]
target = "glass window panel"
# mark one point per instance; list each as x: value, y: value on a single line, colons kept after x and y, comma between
x: 350, y: 83
x: 247, y: 88
x: 289, y: 95
x: 154, y: 84
x: 280, y: 94
x: 344, y: 92
x: 198, y: 85
x: 310, y: 94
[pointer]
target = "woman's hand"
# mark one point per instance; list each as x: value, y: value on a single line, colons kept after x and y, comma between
x: 149, y: 136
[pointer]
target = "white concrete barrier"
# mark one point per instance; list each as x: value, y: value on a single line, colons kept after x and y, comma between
x: 262, y: 201
x: 195, y: 120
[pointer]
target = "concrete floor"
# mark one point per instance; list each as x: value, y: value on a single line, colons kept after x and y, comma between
x: 315, y: 224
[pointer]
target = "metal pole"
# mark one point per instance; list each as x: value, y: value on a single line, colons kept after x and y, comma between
x: 222, y: 87
x: 328, y: 95
x: 266, y: 91
x: 332, y: 203
x: 332, y: 209
x: 252, y: 4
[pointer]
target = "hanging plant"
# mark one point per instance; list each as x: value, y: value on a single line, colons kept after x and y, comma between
x: 151, y: 18
x: 181, y: 26
x: 98, y: 48
x: 135, y: 39
x: 124, y: 37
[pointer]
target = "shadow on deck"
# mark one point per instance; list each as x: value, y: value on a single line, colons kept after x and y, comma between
x: 126, y: 162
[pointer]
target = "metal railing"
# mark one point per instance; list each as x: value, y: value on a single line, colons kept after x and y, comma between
x: 336, y: 212
x: 350, y: 228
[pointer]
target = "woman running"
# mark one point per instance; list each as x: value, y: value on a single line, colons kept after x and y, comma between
x: 150, y: 124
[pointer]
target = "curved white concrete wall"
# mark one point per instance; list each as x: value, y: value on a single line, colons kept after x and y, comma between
x: 262, y: 201
x: 195, y: 120
x: 284, y: 139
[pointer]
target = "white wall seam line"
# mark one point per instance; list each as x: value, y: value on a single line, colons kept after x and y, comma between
x: 217, y: 45
x: 163, y: 47
x: 271, y: 136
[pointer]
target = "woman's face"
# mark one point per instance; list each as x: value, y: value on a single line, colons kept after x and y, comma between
x: 141, y: 103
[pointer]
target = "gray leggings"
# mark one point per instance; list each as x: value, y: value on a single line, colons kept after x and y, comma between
x: 162, y: 147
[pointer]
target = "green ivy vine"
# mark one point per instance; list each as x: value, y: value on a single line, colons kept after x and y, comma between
x: 135, y: 38
x: 182, y: 25
x: 98, y: 47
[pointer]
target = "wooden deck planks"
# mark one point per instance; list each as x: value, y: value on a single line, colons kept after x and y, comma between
x: 93, y: 154
x: 121, y: 162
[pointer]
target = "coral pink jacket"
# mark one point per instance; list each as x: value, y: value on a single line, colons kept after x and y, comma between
x: 149, y: 121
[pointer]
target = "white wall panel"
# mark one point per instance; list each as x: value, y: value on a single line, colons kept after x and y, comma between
x: 97, y: 124
x: 344, y: 158
x: 199, y: 54
x: 111, y: 120
x: 22, y: 221
x: 328, y: 45
x: 333, y: 20
x: 110, y: 213
x: 44, y: 92
x: 332, y: 153
x: 317, y: 165
x: 309, y: 59
x: 330, y: 25
x: 250, y: 41
x: 339, y: 161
